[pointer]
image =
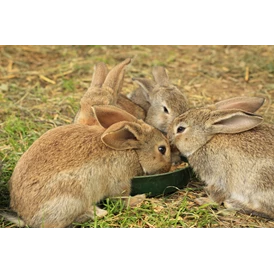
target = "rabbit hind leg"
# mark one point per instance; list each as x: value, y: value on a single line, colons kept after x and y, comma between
x: 57, y: 212
x: 242, y: 208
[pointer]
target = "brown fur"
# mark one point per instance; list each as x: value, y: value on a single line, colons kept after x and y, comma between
x: 126, y: 104
x: 65, y: 172
x: 232, y: 152
x: 103, y: 90
x: 138, y: 97
x: 155, y: 96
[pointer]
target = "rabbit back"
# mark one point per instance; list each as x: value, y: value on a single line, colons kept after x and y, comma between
x: 240, y: 172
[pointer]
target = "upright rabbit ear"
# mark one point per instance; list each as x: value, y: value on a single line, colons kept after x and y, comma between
x: 249, y: 104
x: 123, y: 135
x: 146, y: 85
x: 109, y: 115
x: 114, y: 79
x: 120, y: 82
x: 232, y: 121
x: 99, y: 75
x: 160, y: 76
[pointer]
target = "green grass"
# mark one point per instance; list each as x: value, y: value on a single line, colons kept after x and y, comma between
x: 150, y: 214
x: 31, y: 105
x: 68, y: 85
x: 256, y: 61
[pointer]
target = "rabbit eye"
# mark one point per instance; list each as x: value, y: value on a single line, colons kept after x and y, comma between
x: 162, y: 149
x: 180, y: 129
x: 165, y: 109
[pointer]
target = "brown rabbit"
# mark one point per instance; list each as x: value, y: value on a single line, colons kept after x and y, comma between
x: 64, y: 173
x: 161, y: 100
x: 104, y: 89
x: 232, y: 152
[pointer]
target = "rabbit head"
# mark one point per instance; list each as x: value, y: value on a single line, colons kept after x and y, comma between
x: 151, y: 146
x: 103, y: 90
x: 166, y: 100
x: 65, y: 172
x: 193, y: 129
x: 231, y: 151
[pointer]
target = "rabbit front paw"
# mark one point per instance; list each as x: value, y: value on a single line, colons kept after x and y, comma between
x: 135, y: 200
x: 101, y: 212
x: 204, y: 200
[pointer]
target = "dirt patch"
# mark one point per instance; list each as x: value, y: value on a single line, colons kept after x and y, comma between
x: 41, y: 86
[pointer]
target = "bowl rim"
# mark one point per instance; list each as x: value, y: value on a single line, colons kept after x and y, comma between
x: 162, y: 174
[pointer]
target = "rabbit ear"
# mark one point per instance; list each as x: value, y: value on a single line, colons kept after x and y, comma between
x: 123, y: 135
x: 114, y: 79
x: 232, y: 121
x: 160, y: 76
x: 99, y: 75
x: 109, y: 115
x: 248, y: 104
x: 146, y: 85
x: 121, y: 81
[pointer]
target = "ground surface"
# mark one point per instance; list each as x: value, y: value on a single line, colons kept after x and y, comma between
x: 40, y: 88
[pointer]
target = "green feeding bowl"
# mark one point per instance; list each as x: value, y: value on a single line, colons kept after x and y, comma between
x: 161, y: 184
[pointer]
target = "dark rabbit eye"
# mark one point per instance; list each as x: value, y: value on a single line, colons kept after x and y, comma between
x: 165, y: 109
x: 180, y: 129
x: 162, y: 149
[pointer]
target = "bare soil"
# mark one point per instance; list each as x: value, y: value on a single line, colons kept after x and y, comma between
x: 44, y: 84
